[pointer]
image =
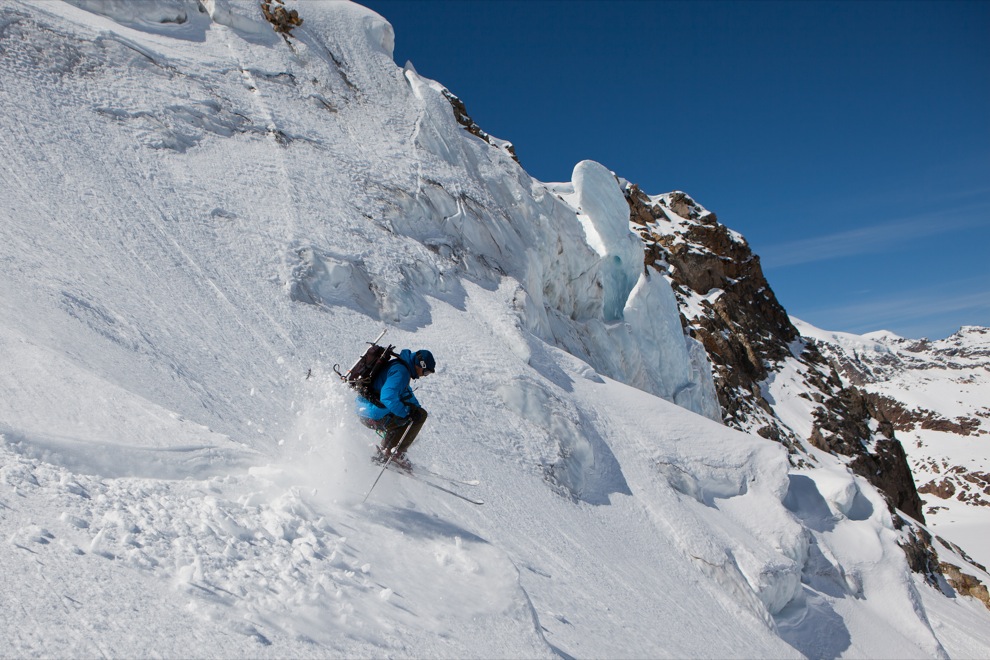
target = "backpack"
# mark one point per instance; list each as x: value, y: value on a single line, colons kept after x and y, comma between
x: 362, y: 375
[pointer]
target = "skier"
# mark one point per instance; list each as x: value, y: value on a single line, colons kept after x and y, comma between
x: 397, y: 413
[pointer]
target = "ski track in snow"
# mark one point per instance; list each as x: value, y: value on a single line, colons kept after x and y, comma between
x: 218, y: 222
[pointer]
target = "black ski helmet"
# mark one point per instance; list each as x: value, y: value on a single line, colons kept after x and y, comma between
x: 424, y: 359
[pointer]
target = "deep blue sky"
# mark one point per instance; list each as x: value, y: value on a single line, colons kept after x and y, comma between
x: 848, y: 141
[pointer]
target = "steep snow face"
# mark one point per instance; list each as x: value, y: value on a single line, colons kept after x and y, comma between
x: 221, y: 217
x: 495, y: 220
x: 577, y: 265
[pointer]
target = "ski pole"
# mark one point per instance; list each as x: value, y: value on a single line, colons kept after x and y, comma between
x: 391, y: 453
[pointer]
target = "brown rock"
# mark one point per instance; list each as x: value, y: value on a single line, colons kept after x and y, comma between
x: 967, y: 585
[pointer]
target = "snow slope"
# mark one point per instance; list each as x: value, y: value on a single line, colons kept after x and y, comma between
x: 200, y: 220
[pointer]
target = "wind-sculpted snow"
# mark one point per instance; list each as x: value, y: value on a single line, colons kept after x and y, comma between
x: 574, y: 257
x: 177, y: 19
x: 200, y: 218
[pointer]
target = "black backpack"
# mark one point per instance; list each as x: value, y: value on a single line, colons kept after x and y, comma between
x: 361, y: 376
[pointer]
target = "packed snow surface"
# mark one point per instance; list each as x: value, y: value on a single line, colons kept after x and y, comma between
x: 200, y: 218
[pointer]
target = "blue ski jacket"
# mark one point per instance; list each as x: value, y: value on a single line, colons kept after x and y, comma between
x: 394, y: 391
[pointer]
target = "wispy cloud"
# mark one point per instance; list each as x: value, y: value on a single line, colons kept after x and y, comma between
x: 873, y: 239
x: 916, y: 314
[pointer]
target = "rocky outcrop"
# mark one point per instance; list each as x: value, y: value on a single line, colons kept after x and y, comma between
x: 728, y: 305
x: 465, y: 120
x: 933, y: 394
x: 921, y: 555
x: 904, y: 418
x: 739, y: 321
x: 956, y: 482
x: 967, y: 585
x: 283, y: 20
x: 843, y: 427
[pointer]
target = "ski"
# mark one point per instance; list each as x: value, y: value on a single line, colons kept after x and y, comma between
x: 429, y: 483
x: 464, y: 482
x: 418, y: 469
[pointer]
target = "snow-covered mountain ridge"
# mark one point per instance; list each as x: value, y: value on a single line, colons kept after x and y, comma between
x: 935, y: 394
x: 201, y: 217
x: 769, y: 381
x: 775, y: 382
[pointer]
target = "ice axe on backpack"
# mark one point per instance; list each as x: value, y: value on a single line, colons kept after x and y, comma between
x: 361, y: 376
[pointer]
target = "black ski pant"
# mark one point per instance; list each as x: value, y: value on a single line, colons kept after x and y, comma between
x: 398, y: 429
